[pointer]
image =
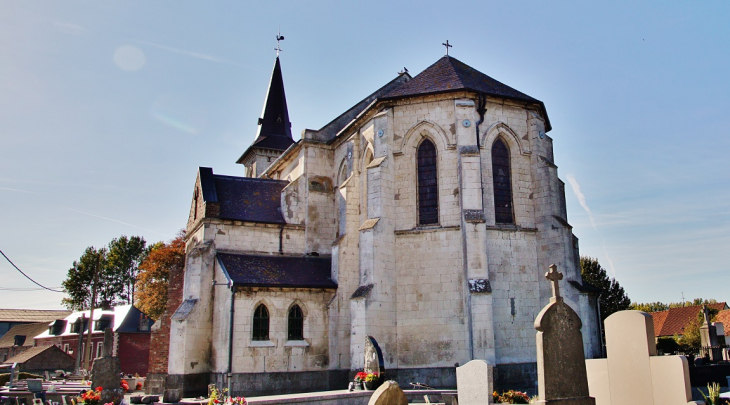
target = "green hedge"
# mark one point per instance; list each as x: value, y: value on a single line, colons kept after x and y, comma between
x: 5, y: 377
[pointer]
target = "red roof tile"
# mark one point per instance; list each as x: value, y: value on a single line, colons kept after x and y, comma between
x: 724, y: 317
x: 673, y: 321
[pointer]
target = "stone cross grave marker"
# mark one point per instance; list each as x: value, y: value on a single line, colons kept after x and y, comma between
x: 106, y: 371
x: 561, y: 367
x: 475, y: 383
x: 633, y: 373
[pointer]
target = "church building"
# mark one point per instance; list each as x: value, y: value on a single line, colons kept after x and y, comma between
x: 425, y: 216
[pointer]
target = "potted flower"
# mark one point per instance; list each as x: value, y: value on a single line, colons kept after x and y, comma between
x: 359, y: 379
x: 371, y: 381
x: 91, y: 397
x: 511, y: 397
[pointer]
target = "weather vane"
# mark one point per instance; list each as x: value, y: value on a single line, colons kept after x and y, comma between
x: 279, y: 38
x: 444, y: 44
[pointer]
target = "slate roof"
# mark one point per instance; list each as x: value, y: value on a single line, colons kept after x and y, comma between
x: 724, y: 317
x: 243, y: 198
x: 126, y: 318
x: 450, y: 74
x: 29, y: 330
x: 31, y: 315
x: 274, y: 130
x: 673, y: 321
x: 277, y: 271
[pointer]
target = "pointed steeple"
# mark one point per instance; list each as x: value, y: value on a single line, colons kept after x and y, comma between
x: 274, y: 127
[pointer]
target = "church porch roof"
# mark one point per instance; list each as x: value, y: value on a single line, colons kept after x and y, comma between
x: 243, y: 198
x: 277, y: 271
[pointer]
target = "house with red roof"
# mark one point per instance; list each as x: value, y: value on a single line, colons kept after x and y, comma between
x: 673, y: 321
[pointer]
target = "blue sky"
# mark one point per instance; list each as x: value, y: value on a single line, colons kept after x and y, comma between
x: 108, y: 108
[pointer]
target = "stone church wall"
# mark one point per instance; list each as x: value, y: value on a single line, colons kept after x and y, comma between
x: 255, y: 238
x: 432, y: 327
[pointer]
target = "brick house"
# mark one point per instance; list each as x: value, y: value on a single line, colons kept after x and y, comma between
x: 424, y: 216
x: 20, y: 338
x: 131, y: 335
x: 673, y: 321
x: 43, y: 358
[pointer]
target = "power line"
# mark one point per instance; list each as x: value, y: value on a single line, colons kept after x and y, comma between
x: 26, y: 276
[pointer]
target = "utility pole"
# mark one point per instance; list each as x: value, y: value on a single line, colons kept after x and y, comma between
x: 87, y: 350
x: 79, y: 350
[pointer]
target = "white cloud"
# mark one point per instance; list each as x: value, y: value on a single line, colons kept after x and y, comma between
x: 119, y: 222
x: 193, y: 54
x: 69, y: 28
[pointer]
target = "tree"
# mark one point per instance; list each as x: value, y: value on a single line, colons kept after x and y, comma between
x: 660, y: 306
x: 154, y: 275
x: 691, y: 335
x: 80, y: 280
x: 649, y: 307
x: 613, y: 298
x: 123, y: 260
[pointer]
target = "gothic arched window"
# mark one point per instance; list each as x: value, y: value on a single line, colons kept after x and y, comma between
x: 261, y: 323
x: 428, y: 196
x: 296, y: 323
x: 502, y: 183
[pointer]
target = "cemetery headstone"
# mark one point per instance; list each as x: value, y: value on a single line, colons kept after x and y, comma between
x: 561, y: 367
x: 633, y: 373
x: 373, y: 357
x: 475, y: 383
x: 106, y: 371
x: 708, y: 336
x: 13, y: 374
x: 388, y: 394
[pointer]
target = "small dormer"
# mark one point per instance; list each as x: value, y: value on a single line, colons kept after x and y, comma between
x: 57, y: 327
x: 106, y: 321
x: 19, y: 340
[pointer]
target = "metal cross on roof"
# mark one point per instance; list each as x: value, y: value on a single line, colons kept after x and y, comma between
x: 554, y: 276
x: 279, y: 38
x: 447, y: 47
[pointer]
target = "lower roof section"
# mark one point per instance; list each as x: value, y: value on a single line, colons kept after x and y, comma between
x: 277, y: 271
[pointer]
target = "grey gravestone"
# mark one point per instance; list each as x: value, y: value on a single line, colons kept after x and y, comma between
x: 106, y: 371
x: 388, y: 394
x: 373, y: 357
x: 13, y: 374
x: 708, y: 335
x: 171, y: 396
x: 474, y: 382
x: 561, y: 367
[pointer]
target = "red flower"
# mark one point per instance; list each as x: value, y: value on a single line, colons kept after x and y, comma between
x: 98, y: 389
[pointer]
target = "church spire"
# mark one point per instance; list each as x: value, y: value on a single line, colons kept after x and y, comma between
x: 274, y: 121
x: 274, y: 128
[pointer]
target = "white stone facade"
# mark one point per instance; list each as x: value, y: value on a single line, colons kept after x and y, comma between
x: 355, y: 199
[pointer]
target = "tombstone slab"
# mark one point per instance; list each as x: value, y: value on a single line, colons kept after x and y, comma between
x: 388, y: 394
x: 633, y: 373
x: 106, y: 371
x: 561, y: 367
x: 475, y: 383
x: 373, y: 357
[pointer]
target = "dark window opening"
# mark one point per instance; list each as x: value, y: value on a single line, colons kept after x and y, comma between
x: 261, y: 323
x: 502, y: 183
x: 296, y: 323
x: 104, y: 322
x: 78, y: 327
x: 57, y: 328
x: 428, y: 206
